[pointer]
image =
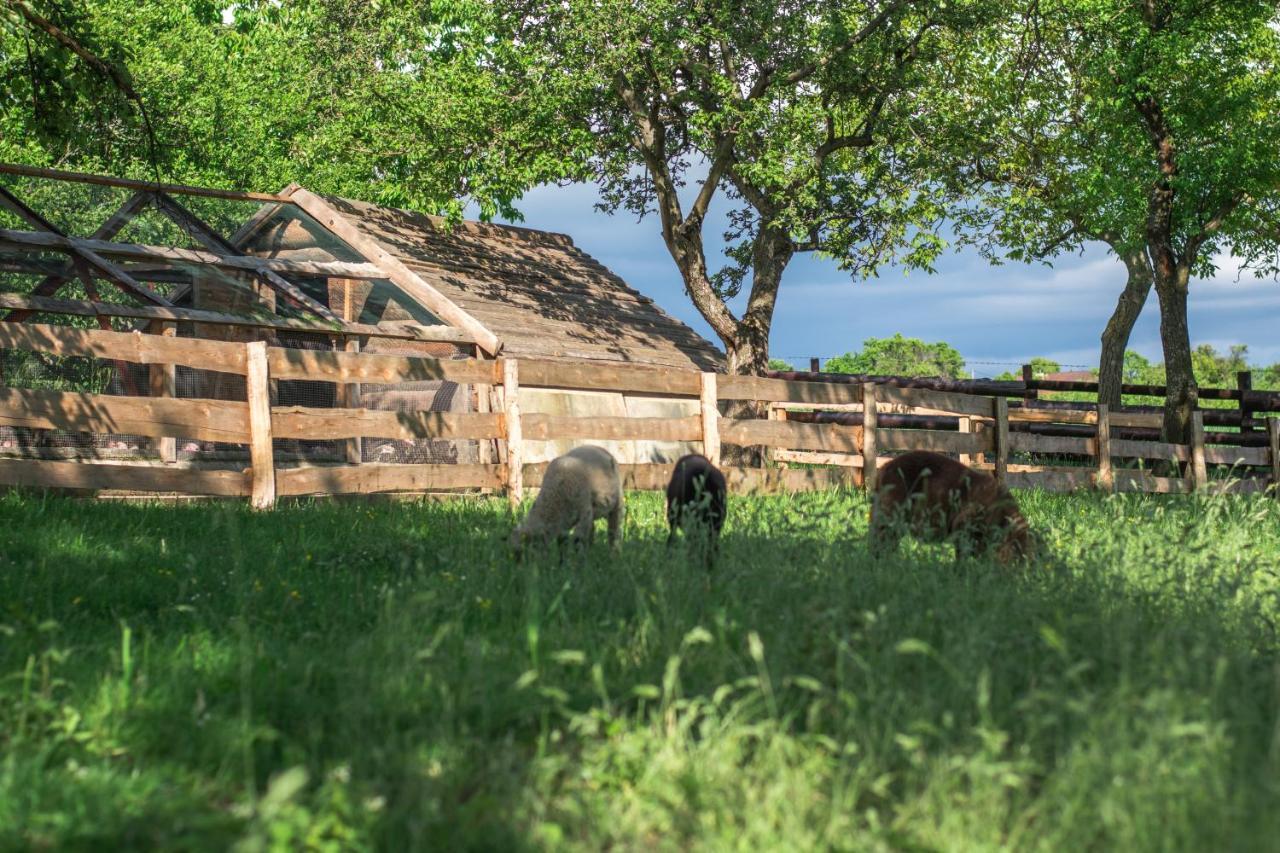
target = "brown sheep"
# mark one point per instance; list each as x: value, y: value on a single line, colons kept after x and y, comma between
x: 937, y: 499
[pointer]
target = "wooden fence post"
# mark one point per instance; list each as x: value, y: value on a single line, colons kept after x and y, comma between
x: 1199, y: 472
x: 261, y: 456
x: 1244, y: 384
x: 164, y: 383
x: 869, y: 450
x: 1001, y: 407
x: 1105, y: 480
x: 514, y: 433
x: 349, y: 398
x: 965, y: 425
x: 815, y: 365
x: 1029, y: 393
x: 709, y: 404
x: 1273, y: 433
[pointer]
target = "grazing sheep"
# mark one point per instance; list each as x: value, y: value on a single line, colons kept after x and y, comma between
x: 578, y: 487
x: 938, y: 499
x: 696, y: 500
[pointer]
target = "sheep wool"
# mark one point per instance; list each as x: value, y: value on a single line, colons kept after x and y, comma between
x: 577, y: 488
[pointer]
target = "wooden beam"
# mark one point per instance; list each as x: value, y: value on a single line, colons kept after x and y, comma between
x: 130, y: 184
x: 1199, y: 471
x: 1273, y: 435
x: 164, y: 384
x: 734, y: 387
x: 540, y: 427
x: 790, y: 435
x: 394, y: 269
x: 214, y: 242
x: 107, y: 230
x: 90, y: 476
x: 382, y: 479
x: 594, y: 376
x: 1001, y: 411
x: 133, y: 347
x: 939, y: 442
x: 28, y: 240
x: 326, y: 424
x: 709, y: 412
x: 813, y: 457
x: 261, y: 452
x: 349, y: 398
x: 943, y: 401
x: 870, y: 480
x: 105, y: 268
x: 70, y: 411
x: 88, y: 308
x: 375, y: 368
x: 513, y: 431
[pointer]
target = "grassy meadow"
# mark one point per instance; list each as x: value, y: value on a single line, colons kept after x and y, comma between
x: 347, y: 676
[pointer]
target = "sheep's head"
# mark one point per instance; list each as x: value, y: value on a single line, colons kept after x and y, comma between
x: 1020, y: 545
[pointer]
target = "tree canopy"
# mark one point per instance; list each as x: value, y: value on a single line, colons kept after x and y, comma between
x: 788, y: 114
x: 1152, y: 126
x: 376, y: 102
x: 900, y: 356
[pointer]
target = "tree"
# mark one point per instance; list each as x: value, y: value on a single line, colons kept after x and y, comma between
x: 1040, y: 368
x: 780, y: 365
x: 788, y: 112
x: 899, y: 356
x: 377, y: 103
x: 1152, y: 126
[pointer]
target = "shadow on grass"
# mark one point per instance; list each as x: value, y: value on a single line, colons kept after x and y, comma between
x: 388, y: 675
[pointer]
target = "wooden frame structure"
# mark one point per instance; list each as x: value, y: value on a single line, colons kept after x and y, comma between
x: 100, y: 256
x: 834, y: 454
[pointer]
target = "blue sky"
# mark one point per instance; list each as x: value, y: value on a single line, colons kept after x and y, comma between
x: 996, y: 316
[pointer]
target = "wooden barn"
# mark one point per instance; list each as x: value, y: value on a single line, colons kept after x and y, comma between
x: 297, y: 268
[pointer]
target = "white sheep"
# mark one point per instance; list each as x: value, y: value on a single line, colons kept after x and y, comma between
x: 577, y: 488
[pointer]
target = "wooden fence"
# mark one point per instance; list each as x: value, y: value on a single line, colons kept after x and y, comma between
x: 805, y: 455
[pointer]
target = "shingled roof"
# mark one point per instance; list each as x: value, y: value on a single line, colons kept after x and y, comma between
x: 538, y: 292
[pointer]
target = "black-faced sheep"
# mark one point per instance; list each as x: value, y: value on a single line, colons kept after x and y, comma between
x: 577, y: 488
x: 937, y: 499
x: 696, y: 501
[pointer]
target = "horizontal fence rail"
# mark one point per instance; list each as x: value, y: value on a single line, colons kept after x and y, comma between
x: 812, y: 432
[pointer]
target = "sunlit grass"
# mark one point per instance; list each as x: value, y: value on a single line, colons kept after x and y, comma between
x: 383, y: 676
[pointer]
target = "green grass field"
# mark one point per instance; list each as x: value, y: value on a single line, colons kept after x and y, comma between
x: 357, y: 676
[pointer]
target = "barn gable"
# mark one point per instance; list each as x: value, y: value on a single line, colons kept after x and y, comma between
x: 536, y: 291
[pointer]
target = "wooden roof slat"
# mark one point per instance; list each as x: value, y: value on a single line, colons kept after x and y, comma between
x: 134, y: 251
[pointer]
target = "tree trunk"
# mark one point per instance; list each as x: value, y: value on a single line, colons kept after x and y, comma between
x: 1115, y: 338
x: 748, y: 347
x: 1175, y: 338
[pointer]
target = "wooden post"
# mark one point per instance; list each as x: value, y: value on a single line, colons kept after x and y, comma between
x: 965, y: 425
x: 1199, y: 472
x: 257, y: 385
x: 484, y: 446
x: 710, y: 419
x: 1001, y: 407
x: 1244, y: 383
x: 1105, y: 479
x: 164, y: 383
x: 1029, y: 394
x: 515, y: 436
x: 1273, y: 433
x: 869, y: 450
x: 349, y: 398
x: 815, y: 365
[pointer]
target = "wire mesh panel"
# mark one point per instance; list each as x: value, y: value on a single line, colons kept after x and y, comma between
x: 419, y: 396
